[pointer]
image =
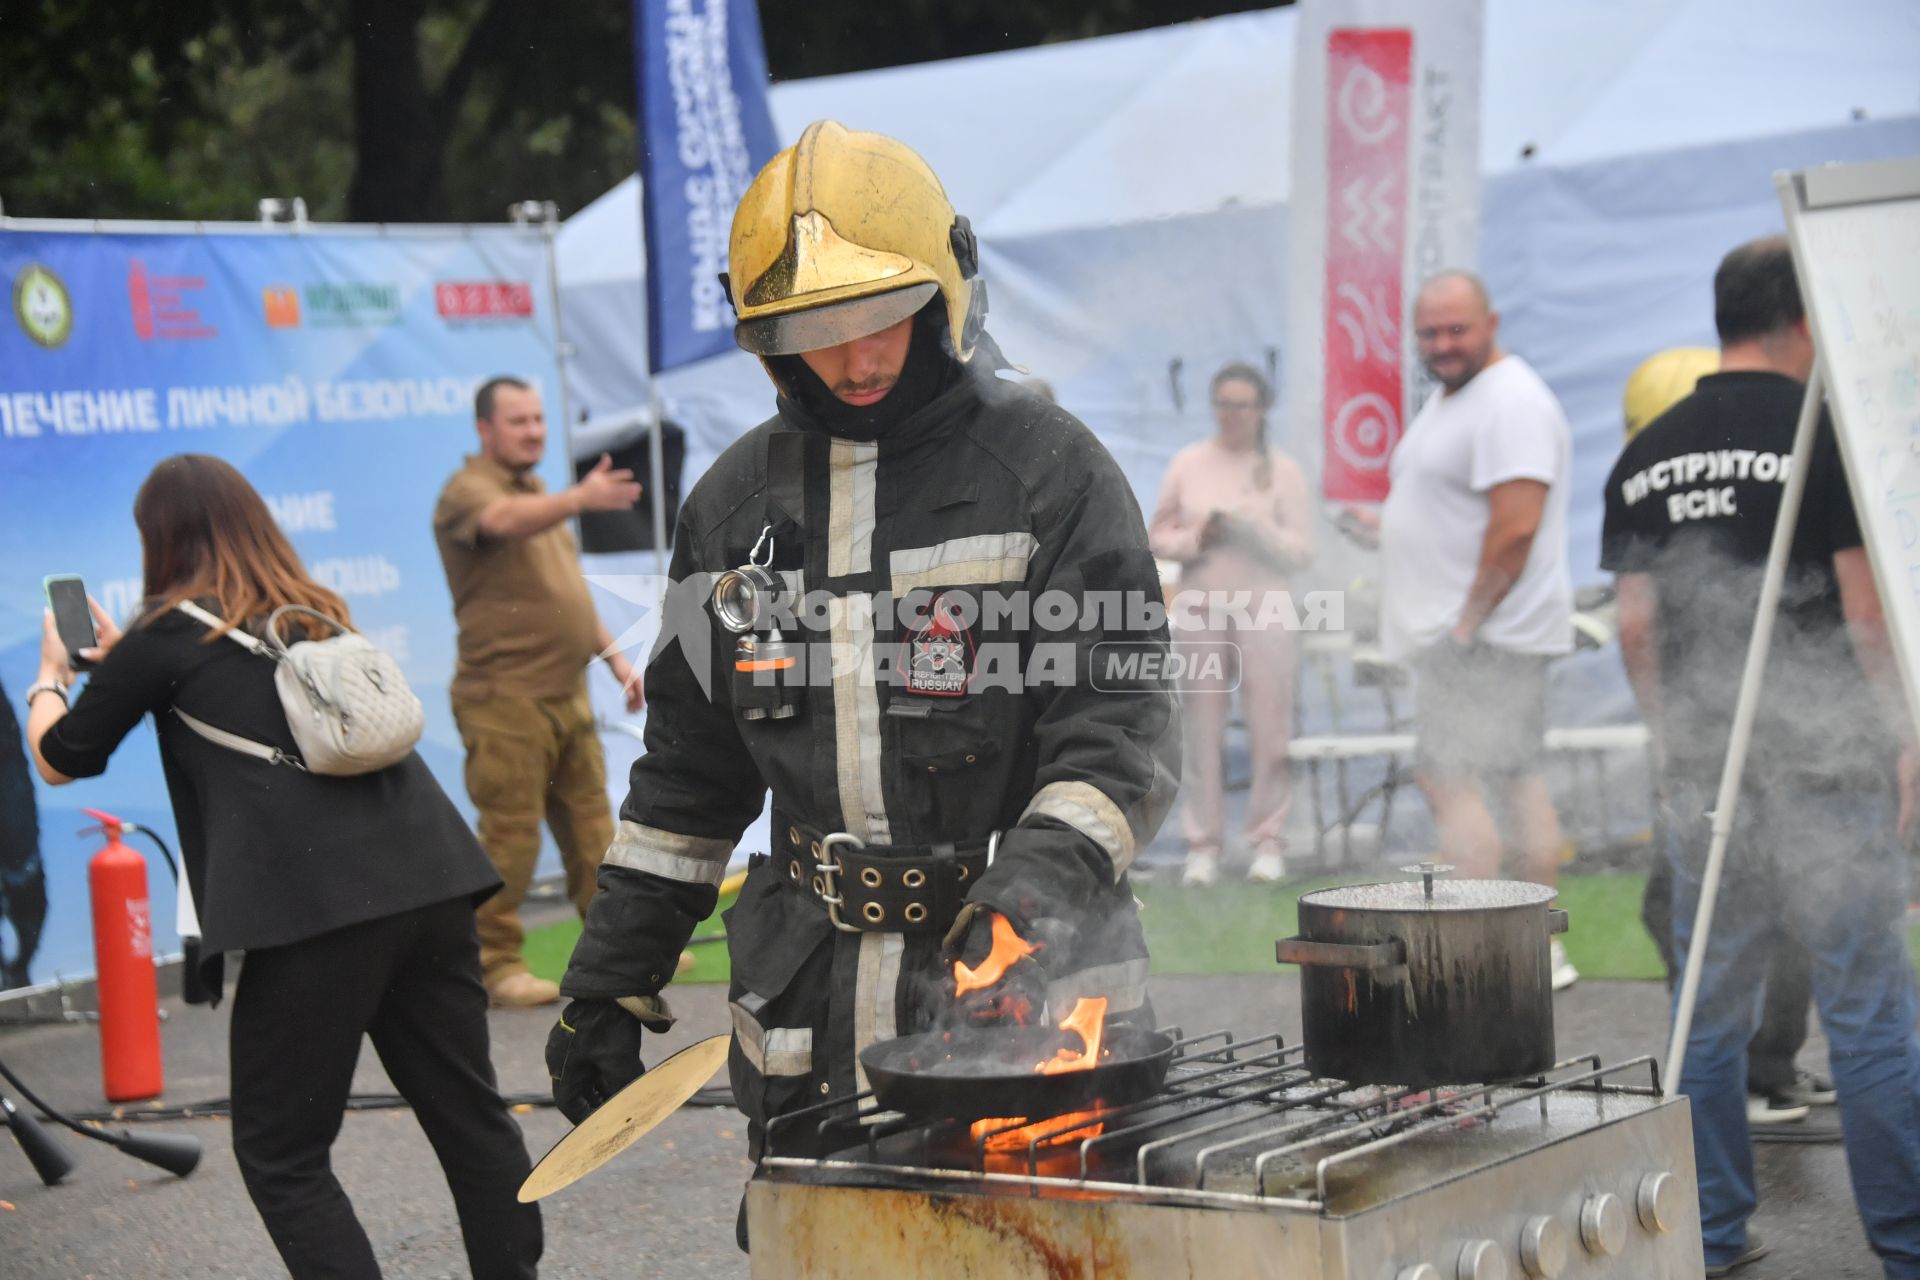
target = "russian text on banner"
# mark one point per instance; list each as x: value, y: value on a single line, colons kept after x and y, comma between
x: 705, y: 131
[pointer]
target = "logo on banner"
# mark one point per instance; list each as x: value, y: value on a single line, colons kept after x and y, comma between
x: 1361, y: 105
x: 1364, y: 431
x: 484, y: 300
x: 939, y: 655
x: 354, y: 304
x: 163, y: 306
x: 282, y: 303
x: 42, y: 306
x: 1369, y: 87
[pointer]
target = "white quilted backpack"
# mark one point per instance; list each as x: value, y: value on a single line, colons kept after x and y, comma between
x: 347, y: 703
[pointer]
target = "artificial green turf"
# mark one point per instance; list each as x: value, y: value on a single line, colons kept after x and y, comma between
x: 549, y: 946
x: 1231, y: 928
x: 1604, y: 937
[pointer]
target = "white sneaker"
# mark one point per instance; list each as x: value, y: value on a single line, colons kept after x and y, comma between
x: 1202, y: 869
x: 1563, y: 973
x: 1267, y: 868
x: 1762, y: 1110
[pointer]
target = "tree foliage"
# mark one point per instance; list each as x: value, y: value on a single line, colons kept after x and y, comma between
x: 817, y: 39
x: 402, y: 110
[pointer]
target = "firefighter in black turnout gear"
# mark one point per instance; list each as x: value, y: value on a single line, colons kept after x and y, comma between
x: 927, y: 720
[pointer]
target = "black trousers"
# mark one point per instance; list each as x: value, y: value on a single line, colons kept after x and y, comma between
x: 411, y: 983
x: 23, y: 880
x: 1789, y: 987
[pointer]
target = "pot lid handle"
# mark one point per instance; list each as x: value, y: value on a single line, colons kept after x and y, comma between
x: 1427, y: 871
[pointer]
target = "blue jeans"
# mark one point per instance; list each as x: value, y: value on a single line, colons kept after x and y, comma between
x: 1823, y: 863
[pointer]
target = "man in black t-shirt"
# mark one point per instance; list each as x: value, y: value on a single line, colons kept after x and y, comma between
x: 1691, y: 507
x: 1779, y: 1091
x: 1690, y: 511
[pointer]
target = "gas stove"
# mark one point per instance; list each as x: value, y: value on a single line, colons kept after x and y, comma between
x: 1245, y: 1164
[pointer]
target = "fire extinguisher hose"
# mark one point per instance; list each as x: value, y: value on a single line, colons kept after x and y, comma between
x: 134, y: 828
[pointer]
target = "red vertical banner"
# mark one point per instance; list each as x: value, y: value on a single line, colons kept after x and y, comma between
x: 1368, y: 107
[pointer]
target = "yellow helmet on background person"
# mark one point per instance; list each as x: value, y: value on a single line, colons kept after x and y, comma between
x: 844, y: 234
x: 1662, y: 381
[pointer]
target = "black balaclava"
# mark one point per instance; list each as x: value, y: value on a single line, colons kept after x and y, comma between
x: 930, y: 369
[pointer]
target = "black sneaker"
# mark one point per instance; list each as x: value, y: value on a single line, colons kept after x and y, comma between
x: 1754, y: 1251
x: 1808, y: 1089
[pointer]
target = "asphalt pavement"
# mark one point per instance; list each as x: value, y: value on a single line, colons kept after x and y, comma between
x: 666, y: 1207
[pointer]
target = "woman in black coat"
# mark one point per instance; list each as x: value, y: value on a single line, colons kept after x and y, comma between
x: 352, y: 897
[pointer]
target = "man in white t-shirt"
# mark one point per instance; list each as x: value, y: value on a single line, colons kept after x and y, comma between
x: 1475, y: 595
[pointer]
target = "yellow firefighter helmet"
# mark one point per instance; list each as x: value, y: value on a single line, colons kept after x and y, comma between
x: 844, y: 234
x: 1663, y: 381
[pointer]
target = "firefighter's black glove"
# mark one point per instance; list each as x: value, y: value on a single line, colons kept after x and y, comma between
x: 1017, y: 997
x: 593, y: 1052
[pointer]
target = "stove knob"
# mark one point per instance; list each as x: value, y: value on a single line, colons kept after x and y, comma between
x: 1481, y: 1260
x: 1543, y: 1248
x: 1419, y: 1271
x: 1603, y: 1224
x: 1658, y: 1202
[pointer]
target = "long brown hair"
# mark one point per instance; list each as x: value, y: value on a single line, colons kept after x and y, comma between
x: 205, y: 533
x: 1238, y: 371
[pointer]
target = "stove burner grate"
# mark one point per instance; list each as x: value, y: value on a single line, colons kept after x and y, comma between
x: 1241, y: 1120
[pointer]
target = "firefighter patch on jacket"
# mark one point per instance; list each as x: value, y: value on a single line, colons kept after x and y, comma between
x: 938, y: 657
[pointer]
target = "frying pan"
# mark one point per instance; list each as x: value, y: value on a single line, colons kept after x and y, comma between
x: 976, y: 1075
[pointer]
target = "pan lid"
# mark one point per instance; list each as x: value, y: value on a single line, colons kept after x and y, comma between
x: 625, y: 1118
x: 1447, y: 895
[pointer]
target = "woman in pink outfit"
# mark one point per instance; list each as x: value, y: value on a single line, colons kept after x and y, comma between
x: 1237, y: 518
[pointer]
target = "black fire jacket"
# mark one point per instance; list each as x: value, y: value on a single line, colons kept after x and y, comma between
x: 988, y: 495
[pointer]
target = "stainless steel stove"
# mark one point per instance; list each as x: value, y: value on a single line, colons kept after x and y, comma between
x: 1246, y: 1165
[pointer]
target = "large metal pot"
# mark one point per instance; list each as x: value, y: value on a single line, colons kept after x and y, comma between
x: 1428, y: 981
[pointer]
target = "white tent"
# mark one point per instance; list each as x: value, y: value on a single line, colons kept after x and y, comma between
x: 1131, y: 193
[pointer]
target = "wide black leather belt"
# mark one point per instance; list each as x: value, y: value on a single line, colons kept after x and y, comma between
x: 875, y: 888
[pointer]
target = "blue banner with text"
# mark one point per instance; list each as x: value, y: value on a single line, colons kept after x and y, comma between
x: 335, y: 368
x: 705, y: 131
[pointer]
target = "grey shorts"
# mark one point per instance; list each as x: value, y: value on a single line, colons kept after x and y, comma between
x: 1481, y: 712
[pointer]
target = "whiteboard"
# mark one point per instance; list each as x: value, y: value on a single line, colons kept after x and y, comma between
x: 1855, y: 232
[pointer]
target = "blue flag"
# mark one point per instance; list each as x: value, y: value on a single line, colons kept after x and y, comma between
x: 705, y: 131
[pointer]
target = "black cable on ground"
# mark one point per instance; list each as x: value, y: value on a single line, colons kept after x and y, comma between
x: 218, y: 1108
x: 33, y: 1099
x: 214, y: 1108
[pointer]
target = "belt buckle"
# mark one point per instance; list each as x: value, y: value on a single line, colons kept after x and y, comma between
x: 833, y: 898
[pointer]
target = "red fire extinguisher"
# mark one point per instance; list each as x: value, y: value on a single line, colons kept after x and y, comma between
x: 123, y: 959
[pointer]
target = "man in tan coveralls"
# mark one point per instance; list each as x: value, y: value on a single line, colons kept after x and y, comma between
x: 528, y: 632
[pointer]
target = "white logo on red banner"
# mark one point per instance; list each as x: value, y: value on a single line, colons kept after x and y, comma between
x: 1361, y: 102
x: 1363, y: 432
x: 1371, y: 325
x: 1369, y: 77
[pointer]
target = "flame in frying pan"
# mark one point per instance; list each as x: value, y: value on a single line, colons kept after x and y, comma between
x: 1008, y: 947
x: 1089, y: 1019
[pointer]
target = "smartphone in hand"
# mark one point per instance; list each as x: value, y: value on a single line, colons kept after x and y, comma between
x: 72, y: 619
